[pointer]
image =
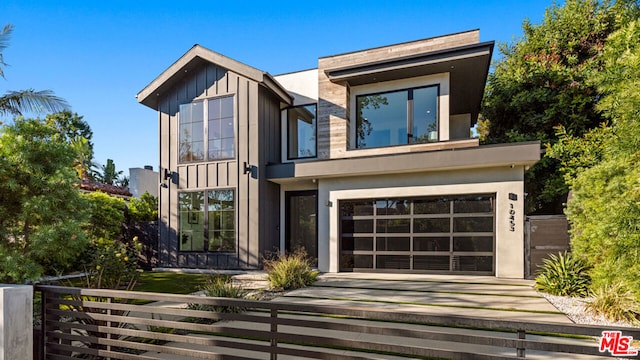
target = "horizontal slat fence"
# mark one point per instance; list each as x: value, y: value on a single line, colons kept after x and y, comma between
x: 109, y: 324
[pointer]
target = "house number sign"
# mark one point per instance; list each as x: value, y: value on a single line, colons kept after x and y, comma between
x: 512, y: 212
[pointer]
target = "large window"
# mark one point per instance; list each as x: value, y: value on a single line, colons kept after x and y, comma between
x: 301, y: 130
x: 397, y: 117
x: 210, y: 140
x: 207, y: 220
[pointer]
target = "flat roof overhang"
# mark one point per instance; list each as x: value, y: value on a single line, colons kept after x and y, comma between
x: 467, y: 65
x: 486, y: 156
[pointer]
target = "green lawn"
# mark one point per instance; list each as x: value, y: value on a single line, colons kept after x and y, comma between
x: 170, y: 282
x: 162, y: 282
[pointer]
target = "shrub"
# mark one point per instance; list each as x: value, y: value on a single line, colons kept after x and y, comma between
x: 616, y: 302
x: 144, y: 208
x: 106, y: 216
x: 113, y: 265
x: 292, y: 271
x: 563, y: 275
x: 218, y: 285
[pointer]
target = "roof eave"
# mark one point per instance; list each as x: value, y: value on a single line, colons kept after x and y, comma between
x: 194, y: 57
x: 486, y: 156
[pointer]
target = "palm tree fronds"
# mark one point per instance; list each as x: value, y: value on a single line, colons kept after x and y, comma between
x: 5, y: 34
x: 18, y: 102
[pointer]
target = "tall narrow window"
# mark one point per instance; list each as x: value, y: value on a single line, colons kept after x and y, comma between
x: 218, y: 130
x: 192, y: 132
x: 397, y: 117
x: 207, y: 221
x: 191, y: 236
x: 301, y: 130
x: 221, y: 130
x: 222, y: 224
x: 424, y: 119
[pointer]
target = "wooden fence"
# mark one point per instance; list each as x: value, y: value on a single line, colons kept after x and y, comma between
x: 544, y: 235
x: 99, y: 324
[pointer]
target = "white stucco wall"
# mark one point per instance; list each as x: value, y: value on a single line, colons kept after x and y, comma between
x: 302, y: 85
x: 141, y: 180
x: 502, y: 181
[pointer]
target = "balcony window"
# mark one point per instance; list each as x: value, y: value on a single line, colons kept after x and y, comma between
x: 301, y: 130
x: 399, y: 117
x: 218, y: 130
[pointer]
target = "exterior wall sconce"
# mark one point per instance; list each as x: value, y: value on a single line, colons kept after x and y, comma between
x: 168, y: 175
x: 250, y: 169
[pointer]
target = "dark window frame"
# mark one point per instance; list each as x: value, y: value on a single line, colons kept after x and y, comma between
x: 288, y: 195
x: 205, y: 130
x: 206, y: 226
x: 288, y: 138
x: 409, y: 119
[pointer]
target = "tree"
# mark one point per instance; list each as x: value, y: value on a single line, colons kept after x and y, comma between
x: 108, y: 173
x: 77, y: 132
x: 41, y: 211
x: 605, y: 209
x: 19, y: 102
x: 542, y: 82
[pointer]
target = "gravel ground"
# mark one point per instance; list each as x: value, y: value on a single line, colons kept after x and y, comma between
x: 575, y: 309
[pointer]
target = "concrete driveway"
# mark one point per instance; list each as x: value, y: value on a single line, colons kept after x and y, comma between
x: 477, y: 296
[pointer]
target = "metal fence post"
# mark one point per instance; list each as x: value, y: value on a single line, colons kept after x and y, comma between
x: 43, y: 325
x: 520, y: 351
x: 274, y: 334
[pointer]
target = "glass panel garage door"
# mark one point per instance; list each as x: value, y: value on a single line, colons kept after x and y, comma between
x: 443, y: 234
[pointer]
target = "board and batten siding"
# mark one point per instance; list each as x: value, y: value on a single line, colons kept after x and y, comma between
x: 270, y: 153
x: 210, y: 81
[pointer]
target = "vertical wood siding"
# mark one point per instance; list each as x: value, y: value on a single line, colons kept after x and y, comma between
x: 270, y: 151
x: 257, y: 143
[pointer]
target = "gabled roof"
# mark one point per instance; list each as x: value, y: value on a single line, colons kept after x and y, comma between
x: 196, y: 56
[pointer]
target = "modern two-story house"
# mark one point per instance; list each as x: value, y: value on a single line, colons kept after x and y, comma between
x: 367, y: 161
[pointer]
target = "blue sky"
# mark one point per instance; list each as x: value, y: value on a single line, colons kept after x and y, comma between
x: 99, y: 54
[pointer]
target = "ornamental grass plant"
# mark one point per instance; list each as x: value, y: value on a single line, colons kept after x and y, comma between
x: 291, y: 271
x: 564, y: 275
x: 220, y: 285
x: 616, y: 302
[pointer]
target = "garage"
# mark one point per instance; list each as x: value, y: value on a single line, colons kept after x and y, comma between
x: 435, y: 234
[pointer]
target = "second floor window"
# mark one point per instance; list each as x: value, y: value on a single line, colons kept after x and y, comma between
x: 301, y: 130
x: 397, y: 117
x: 207, y: 130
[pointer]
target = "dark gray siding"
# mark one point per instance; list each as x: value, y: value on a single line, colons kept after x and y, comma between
x: 270, y: 153
x: 203, y: 82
